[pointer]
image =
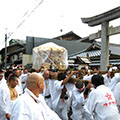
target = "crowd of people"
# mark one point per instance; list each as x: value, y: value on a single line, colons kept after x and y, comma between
x: 46, y: 94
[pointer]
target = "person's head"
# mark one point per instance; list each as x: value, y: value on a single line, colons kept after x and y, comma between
x: 41, y: 69
x: 35, y: 83
x: 13, y: 81
x: 97, y: 80
x: 10, y: 69
x: 79, y: 75
x: 16, y: 72
x: 12, y: 65
x: 79, y: 86
x: 61, y: 76
x: 20, y: 72
x: 8, y: 74
x: 25, y: 70
x: 32, y: 70
x: 46, y: 74
x: 1, y: 74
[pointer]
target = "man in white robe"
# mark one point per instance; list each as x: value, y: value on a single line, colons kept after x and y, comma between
x: 61, y: 96
x: 116, y: 93
x: 78, y: 101
x: 5, y: 98
x: 31, y: 105
x: 107, y: 77
x: 101, y: 103
x: 4, y: 102
x: 23, y: 78
x: 114, y: 81
x: 2, y: 79
x: 19, y: 86
x: 48, y: 88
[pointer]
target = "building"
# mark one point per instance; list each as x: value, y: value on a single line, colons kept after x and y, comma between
x: 79, y: 53
x: 93, y: 53
x: 15, y: 53
x: 68, y: 36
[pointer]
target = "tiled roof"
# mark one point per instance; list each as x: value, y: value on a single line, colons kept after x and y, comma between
x: 89, y: 53
x: 73, y: 47
x: 112, y: 62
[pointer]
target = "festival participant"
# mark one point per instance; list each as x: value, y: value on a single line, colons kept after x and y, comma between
x: 115, y: 79
x: 78, y: 101
x: 109, y: 75
x: 13, y: 81
x: 48, y: 88
x: 5, y: 95
x: 31, y: 105
x: 101, y: 104
x: 23, y: 78
x: 88, y: 76
x: 116, y: 93
x: 61, y: 95
x: 19, y: 86
x: 1, y: 76
x: 107, y: 78
x: 4, y: 99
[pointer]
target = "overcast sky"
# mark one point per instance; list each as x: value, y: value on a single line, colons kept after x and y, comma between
x: 46, y: 18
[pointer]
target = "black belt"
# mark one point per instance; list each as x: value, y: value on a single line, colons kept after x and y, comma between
x: 48, y: 96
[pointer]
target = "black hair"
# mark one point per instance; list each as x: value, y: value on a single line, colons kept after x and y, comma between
x: 97, y: 80
x: 79, y: 84
x: 15, y: 69
x: 1, y: 71
x: 61, y: 76
x: 13, y: 77
x: 80, y: 75
x: 10, y: 68
x: 86, y: 83
x: 7, y: 73
x: 32, y: 70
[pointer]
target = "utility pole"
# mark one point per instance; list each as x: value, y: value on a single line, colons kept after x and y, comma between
x: 6, y: 50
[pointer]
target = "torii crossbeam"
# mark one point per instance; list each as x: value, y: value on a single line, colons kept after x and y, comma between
x: 103, y: 19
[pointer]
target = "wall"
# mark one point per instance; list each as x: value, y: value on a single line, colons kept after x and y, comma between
x: 27, y: 59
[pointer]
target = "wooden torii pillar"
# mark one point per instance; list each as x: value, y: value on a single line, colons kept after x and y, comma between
x: 103, y: 19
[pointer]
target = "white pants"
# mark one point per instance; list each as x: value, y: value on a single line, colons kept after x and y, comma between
x: 62, y: 109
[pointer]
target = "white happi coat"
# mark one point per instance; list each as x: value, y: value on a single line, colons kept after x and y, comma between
x: 101, y: 103
x: 5, y: 102
x: 60, y: 105
x: 23, y: 79
x: 116, y: 93
x: 77, y: 105
x: 56, y: 93
x: 25, y: 108
x: 106, y: 80
x: 19, y: 87
x: 114, y: 81
x: 87, y: 77
x: 48, y: 89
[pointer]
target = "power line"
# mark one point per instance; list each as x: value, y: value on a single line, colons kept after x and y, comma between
x: 25, y: 17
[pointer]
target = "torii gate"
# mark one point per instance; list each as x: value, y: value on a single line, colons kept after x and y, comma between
x: 105, y: 32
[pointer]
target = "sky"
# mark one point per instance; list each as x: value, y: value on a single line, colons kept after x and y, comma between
x: 46, y: 18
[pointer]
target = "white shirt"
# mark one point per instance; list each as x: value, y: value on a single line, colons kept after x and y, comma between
x: 5, y: 101
x: 77, y: 105
x: 19, y: 87
x: 114, y: 81
x: 25, y: 108
x: 56, y: 93
x: 117, y: 93
x: 48, y: 89
x: 106, y: 80
x: 23, y: 79
x: 87, y: 77
x: 102, y: 104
